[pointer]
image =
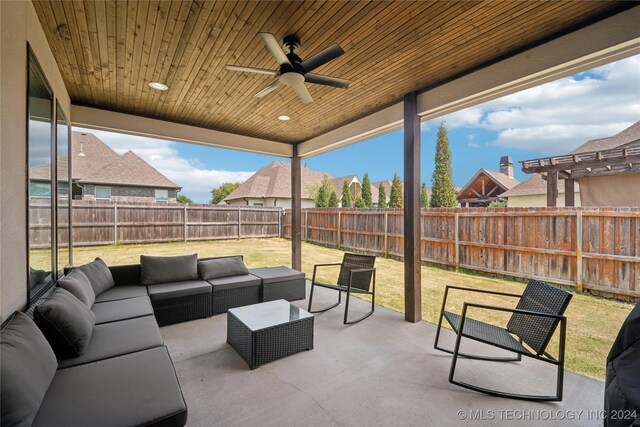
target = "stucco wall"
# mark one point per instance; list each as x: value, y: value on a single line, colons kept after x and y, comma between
x: 537, y: 201
x: 19, y: 24
x: 124, y: 194
x: 618, y: 190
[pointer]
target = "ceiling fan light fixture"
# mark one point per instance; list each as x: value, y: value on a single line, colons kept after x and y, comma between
x: 284, y: 117
x: 158, y: 85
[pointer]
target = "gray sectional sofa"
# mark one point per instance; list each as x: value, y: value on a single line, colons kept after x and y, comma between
x: 91, y: 353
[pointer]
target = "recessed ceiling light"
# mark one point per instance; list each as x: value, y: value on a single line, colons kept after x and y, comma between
x: 284, y: 118
x: 158, y: 86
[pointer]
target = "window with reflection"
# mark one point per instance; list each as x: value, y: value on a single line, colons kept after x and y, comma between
x: 63, y: 180
x: 41, y: 174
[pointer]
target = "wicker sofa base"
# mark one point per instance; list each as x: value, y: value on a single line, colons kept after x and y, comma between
x: 182, y: 309
x: 266, y: 345
x: 289, y: 290
x: 225, y: 299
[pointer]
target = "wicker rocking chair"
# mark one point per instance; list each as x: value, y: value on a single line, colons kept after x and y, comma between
x: 356, y: 274
x: 533, y: 322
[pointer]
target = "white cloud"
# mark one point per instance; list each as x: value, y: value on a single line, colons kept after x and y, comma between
x: 196, y: 180
x: 473, y: 145
x: 558, y: 116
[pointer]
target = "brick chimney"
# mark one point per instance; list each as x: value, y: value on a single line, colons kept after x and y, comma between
x: 506, y: 166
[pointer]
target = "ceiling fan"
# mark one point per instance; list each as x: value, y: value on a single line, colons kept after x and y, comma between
x: 294, y: 72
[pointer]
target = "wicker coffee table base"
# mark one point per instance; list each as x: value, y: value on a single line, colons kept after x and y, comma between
x: 268, y: 344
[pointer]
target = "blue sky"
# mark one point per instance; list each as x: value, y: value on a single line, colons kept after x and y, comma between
x: 549, y: 119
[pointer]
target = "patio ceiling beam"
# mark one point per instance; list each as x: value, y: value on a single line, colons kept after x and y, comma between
x: 94, y: 118
x: 412, y: 253
x: 605, y: 41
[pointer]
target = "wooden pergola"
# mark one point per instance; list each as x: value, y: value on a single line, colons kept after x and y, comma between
x: 615, y: 161
x: 408, y: 61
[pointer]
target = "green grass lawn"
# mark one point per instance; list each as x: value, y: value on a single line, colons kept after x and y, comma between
x: 593, y: 323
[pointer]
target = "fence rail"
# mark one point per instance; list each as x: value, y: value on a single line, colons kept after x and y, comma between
x: 95, y: 223
x: 590, y: 248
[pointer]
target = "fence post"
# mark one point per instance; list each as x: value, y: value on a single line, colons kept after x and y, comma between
x: 239, y: 221
x: 306, y: 225
x: 279, y: 223
x: 339, y: 229
x: 184, y: 230
x: 386, y: 233
x: 579, y: 250
x: 115, y: 223
x: 457, y: 240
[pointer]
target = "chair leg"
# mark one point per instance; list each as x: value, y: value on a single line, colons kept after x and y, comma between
x: 323, y: 309
x: 346, y: 312
x: 528, y: 397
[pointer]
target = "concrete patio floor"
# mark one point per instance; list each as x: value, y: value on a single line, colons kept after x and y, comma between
x: 380, y: 372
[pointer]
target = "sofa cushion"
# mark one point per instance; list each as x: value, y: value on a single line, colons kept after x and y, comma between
x: 79, y: 285
x: 122, y: 292
x: 27, y: 367
x: 66, y: 323
x: 221, y: 267
x: 166, y: 269
x: 99, y: 275
x: 234, y: 282
x: 276, y: 274
x: 178, y: 289
x: 136, y: 389
x: 113, y: 311
x: 118, y: 338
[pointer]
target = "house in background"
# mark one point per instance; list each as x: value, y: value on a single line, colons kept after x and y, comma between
x: 601, y: 172
x: 487, y: 186
x: 271, y: 186
x: 99, y: 173
x: 532, y: 192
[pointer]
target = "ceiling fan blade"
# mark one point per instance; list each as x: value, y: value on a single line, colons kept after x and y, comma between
x: 274, y: 47
x: 303, y: 93
x: 251, y: 70
x: 326, y: 80
x: 267, y: 90
x: 321, y: 58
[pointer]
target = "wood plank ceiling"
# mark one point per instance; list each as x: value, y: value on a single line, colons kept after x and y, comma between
x: 108, y: 52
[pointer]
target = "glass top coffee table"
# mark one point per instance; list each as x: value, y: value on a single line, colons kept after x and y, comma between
x: 261, y: 333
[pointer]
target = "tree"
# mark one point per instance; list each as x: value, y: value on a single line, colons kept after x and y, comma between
x: 333, y: 199
x: 346, y: 195
x: 360, y: 203
x: 183, y: 199
x: 382, y: 196
x: 367, y: 197
x: 396, y: 198
x: 443, y: 192
x: 424, y: 196
x: 218, y: 194
x: 322, y: 196
x: 498, y: 204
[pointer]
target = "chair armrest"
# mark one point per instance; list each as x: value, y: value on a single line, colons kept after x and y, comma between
x: 510, y: 310
x: 483, y: 291
x: 315, y: 267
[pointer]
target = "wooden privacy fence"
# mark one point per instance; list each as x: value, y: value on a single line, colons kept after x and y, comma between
x: 589, y: 248
x: 107, y: 223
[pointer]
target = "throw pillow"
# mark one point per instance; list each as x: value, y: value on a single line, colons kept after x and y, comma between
x: 166, y: 269
x: 99, y: 275
x: 66, y: 323
x: 27, y: 367
x: 79, y: 285
x: 222, y: 267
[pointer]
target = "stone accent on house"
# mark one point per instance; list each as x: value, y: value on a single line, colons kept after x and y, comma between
x: 127, y: 194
